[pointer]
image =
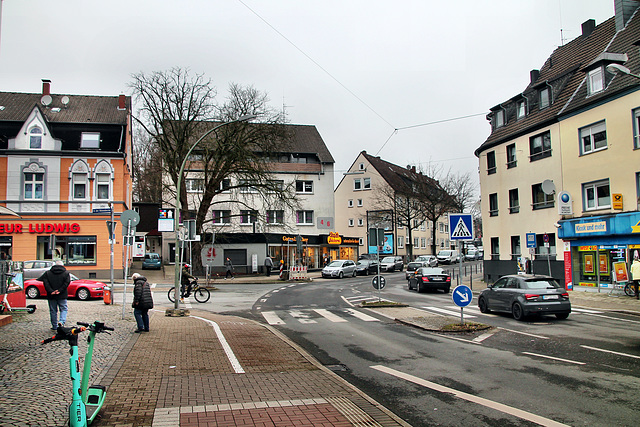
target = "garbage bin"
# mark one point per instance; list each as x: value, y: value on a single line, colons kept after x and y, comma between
x: 106, y: 294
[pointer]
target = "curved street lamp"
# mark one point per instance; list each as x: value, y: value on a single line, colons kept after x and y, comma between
x: 617, y: 68
x: 176, y: 221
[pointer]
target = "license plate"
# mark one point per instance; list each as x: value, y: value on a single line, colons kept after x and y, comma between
x: 437, y: 279
x: 550, y: 297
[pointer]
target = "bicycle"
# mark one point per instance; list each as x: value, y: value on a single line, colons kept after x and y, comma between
x: 630, y: 289
x: 200, y: 293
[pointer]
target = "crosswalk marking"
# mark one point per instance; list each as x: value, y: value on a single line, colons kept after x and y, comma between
x: 272, y: 318
x: 448, y: 312
x: 329, y: 316
x: 584, y: 310
x: 301, y: 317
x: 361, y: 316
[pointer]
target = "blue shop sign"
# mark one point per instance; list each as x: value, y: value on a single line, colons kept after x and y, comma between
x: 606, y: 225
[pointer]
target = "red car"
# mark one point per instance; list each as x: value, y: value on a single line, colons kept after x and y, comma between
x: 83, y: 289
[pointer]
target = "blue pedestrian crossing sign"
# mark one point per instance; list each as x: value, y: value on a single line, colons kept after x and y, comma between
x: 462, y: 296
x: 460, y: 227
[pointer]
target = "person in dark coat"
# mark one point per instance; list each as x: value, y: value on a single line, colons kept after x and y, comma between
x: 229, y: 267
x: 56, y: 281
x: 268, y: 263
x: 142, y: 302
x: 185, y: 282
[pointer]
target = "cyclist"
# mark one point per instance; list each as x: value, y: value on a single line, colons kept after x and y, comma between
x: 185, y: 282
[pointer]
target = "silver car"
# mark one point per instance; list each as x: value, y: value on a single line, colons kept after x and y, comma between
x: 431, y: 260
x: 340, y: 268
x: 34, y: 269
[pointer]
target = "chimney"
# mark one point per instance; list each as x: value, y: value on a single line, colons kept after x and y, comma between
x: 534, y: 74
x: 588, y: 27
x: 46, y: 87
x: 624, y: 9
x: 122, y: 102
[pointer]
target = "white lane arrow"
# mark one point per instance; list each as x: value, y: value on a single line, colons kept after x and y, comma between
x: 463, y: 296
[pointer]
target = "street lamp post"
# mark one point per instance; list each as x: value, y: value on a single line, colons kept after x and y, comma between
x: 617, y: 68
x: 176, y: 221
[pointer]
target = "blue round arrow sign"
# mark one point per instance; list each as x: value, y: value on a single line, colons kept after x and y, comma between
x: 462, y: 296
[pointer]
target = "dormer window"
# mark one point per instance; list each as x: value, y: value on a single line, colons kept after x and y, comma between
x: 499, y: 119
x: 90, y: 140
x: 595, y: 81
x: 35, y: 138
x: 545, y: 98
x: 521, y: 109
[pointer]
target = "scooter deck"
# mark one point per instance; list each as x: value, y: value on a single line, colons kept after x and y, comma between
x: 96, y: 395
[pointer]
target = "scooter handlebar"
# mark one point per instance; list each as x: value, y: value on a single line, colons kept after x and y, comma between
x: 96, y: 326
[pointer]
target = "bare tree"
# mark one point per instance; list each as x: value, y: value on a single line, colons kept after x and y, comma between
x: 147, y: 169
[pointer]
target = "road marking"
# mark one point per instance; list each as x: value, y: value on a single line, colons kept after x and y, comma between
x: 272, y: 318
x: 471, y: 398
x: 611, y: 318
x: 301, y: 317
x: 553, y: 358
x: 610, y: 351
x: 361, y: 315
x: 526, y: 333
x: 447, y: 312
x: 483, y: 337
x: 329, y: 316
x: 225, y: 345
x: 584, y: 310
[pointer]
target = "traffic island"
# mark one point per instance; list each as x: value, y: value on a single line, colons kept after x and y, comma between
x: 410, y: 316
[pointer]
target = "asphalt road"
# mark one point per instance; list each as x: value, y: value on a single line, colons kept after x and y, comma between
x: 579, y: 371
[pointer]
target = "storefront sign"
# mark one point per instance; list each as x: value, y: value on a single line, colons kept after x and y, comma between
x: 334, y: 239
x: 350, y: 241
x: 591, y: 227
x: 616, y: 199
x: 292, y: 239
x: 587, y: 248
x: 40, y: 228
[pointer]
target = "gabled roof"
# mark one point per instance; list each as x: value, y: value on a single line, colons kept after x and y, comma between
x: 565, y: 72
x: 398, y: 178
x: 307, y: 139
x: 16, y: 107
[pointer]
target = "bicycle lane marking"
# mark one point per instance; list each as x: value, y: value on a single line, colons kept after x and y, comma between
x: 471, y: 398
x: 225, y: 345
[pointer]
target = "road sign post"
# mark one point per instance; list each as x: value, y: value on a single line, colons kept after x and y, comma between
x: 460, y: 230
x: 462, y: 297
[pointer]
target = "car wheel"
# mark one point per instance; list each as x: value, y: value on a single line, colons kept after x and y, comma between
x: 340, y: 275
x: 32, y: 292
x: 409, y: 284
x: 562, y: 316
x: 517, y: 311
x: 366, y: 272
x: 418, y: 290
x: 355, y: 273
x: 447, y: 290
x: 83, y: 294
x: 482, y: 305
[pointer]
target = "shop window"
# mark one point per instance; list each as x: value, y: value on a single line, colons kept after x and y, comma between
x: 540, y: 146
x: 596, y: 195
x: 72, y: 250
x: 539, y: 199
x: 491, y: 162
x: 304, y: 217
x: 514, y: 201
x: 222, y: 217
x: 35, y: 138
x: 493, y: 204
x: 593, y: 138
x: 495, y: 248
x: 511, y: 156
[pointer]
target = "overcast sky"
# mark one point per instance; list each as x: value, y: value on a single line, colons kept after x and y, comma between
x: 356, y: 69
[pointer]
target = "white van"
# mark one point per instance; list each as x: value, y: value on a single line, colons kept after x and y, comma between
x: 448, y: 256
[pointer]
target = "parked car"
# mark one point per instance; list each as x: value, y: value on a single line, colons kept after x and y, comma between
x: 340, y: 268
x: 152, y: 261
x: 391, y: 263
x: 430, y: 278
x: 368, y: 256
x: 526, y: 294
x: 431, y: 260
x: 366, y: 266
x: 471, y: 255
x: 83, y: 289
x: 34, y: 269
x: 448, y: 256
x: 413, y: 266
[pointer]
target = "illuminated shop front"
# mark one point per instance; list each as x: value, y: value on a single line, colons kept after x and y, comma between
x: 595, y: 245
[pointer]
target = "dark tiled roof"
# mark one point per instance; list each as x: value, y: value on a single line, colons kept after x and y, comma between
x: 307, y: 139
x: 399, y: 178
x: 565, y: 72
x: 80, y: 108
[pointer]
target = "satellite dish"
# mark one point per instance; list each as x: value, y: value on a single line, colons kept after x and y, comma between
x: 65, y: 100
x: 46, y: 100
x: 548, y: 187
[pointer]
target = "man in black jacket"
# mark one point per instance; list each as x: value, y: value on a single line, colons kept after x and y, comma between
x: 142, y: 301
x: 56, y: 281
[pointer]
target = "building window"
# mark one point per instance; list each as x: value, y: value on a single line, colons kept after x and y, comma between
x: 636, y: 128
x: 360, y: 204
x: 361, y: 167
x: 360, y: 222
x: 596, y: 195
x: 515, y: 248
x: 225, y: 185
x: 423, y: 241
x: 79, y: 186
x: 491, y: 162
x: 593, y: 138
x: 366, y: 183
x: 248, y: 216
x: 194, y: 185
x: 304, y: 217
x: 90, y: 140
x: 638, y: 189
x: 545, y: 98
x: 514, y: 201
x: 400, y: 242
x: 275, y: 217
x: 542, y: 251
x: 351, y: 222
x: 357, y: 184
x: 350, y: 203
x: 499, y: 119
x: 493, y: 204
x: 103, y: 185
x: 35, y: 138
x: 33, y: 186
x: 521, y: 109
x: 511, y: 156
x: 595, y: 81
x: 495, y: 248
x: 540, y: 146
x: 304, y: 187
x: 247, y: 186
x: 540, y: 200
x: 222, y: 217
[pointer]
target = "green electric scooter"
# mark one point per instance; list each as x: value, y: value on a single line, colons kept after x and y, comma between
x: 86, y: 402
